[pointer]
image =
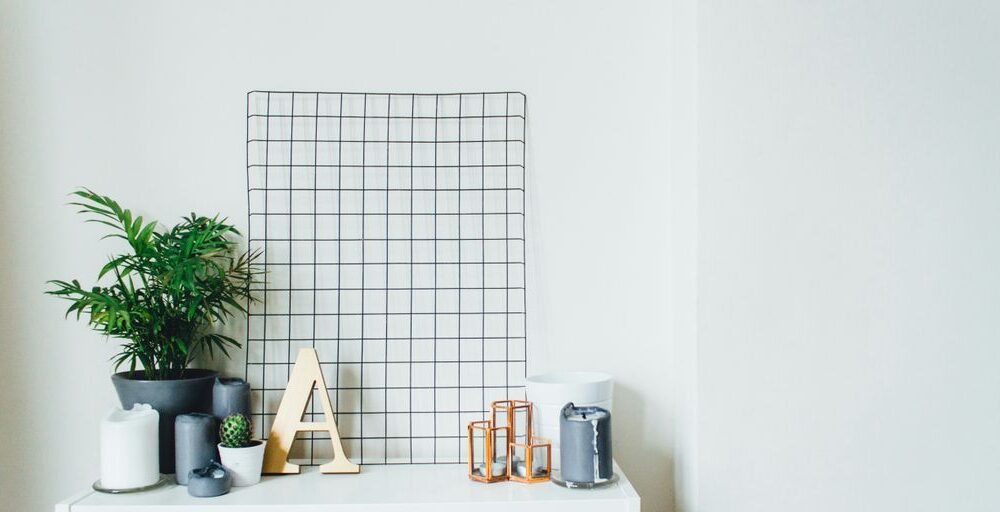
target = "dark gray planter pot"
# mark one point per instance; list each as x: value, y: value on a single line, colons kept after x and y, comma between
x: 192, y: 393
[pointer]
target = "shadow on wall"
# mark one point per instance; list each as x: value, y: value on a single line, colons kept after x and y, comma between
x: 648, y: 464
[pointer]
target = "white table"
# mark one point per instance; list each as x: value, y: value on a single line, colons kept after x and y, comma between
x: 416, y: 488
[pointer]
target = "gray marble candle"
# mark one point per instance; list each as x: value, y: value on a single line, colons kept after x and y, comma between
x: 209, y: 481
x: 230, y: 396
x: 585, y: 445
x: 194, y: 443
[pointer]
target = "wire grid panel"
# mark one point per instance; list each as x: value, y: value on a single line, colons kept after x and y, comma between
x: 392, y: 227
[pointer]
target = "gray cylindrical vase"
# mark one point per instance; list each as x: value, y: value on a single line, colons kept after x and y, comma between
x: 585, y: 445
x: 209, y: 481
x: 194, y: 441
x: 230, y: 396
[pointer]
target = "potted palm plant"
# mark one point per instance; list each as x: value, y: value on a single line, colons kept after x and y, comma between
x: 162, y: 298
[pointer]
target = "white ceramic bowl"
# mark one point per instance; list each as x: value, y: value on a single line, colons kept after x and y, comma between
x: 581, y: 388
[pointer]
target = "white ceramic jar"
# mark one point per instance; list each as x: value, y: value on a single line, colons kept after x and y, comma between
x: 549, y: 392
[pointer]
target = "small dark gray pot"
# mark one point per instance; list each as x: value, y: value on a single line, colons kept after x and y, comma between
x: 230, y: 396
x: 211, y: 480
x: 192, y: 393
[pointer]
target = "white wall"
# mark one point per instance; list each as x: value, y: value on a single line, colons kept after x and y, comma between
x: 848, y: 277
x: 145, y: 102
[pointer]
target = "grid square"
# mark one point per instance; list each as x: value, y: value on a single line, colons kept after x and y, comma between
x: 447, y: 300
x: 447, y: 225
x: 350, y: 351
x: 472, y: 352
x: 449, y: 105
x: 398, y: 328
x: 422, y: 399
x: 400, y: 104
x: 446, y: 375
x: 376, y: 251
x: 423, y: 424
x: 495, y: 178
x: 472, y: 299
x: 399, y: 200
x: 446, y: 326
x: 351, y: 227
x: 472, y: 104
x: 376, y: 129
x: 447, y: 251
x: 423, y: 351
x: 445, y: 399
x: 423, y: 326
x: 424, y: 130
x: 426, y: 105
x: 448, y: 349
x: 423, y: 275
x: 471, y: 324
x: 422, y: 374
x: 472, y: 274
x: 496, y: 349
x: 471, y: 400
x: 471, y: 250
x: 448, y: 181
x: 374, y: 327
x: 393, y: 228
x: 471, y: 200
x: 398, y: 374
x: 398, y: 226
x: 447, y: 275
x: 496, y: 104
x: 446, y: 155
x: 424, y: 228
x: 423, y: 200
x: 424, y: 155
x: 446, y: 424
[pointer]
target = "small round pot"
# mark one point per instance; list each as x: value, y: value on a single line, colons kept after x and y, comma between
x: 191, y: 392
x: 244, y: 463
x: 209, y: 481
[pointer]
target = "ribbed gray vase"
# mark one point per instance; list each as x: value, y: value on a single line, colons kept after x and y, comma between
x: 191, y: 393
x: 230, y: 396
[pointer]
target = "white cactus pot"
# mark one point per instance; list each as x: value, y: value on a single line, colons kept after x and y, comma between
x: 244, y: 463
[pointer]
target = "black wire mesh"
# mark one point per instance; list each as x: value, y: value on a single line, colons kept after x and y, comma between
x: 393, y: 234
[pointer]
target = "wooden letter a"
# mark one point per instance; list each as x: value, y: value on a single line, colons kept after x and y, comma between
x: 306, y: 375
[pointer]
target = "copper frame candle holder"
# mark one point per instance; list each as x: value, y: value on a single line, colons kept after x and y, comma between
x: 514, y: 414
x: 494, y: 466
x: 527, y: 469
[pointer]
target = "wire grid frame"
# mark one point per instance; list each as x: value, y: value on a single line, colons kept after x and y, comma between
x: 392, y: 229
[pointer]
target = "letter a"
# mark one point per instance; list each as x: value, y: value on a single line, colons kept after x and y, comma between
x: 306, y: 375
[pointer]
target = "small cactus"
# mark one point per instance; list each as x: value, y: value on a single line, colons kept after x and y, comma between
x: 235, y: 431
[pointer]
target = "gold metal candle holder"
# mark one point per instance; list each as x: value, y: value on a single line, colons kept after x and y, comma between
x: 491, y: 466
x: 529, y: 462
x: 514, y: 414
x: 509, y: 451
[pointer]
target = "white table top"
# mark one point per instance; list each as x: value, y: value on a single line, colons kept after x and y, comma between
x: 417, y: 488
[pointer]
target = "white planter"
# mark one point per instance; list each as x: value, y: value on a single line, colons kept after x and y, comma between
x: 551, y: 391
x: 244, y: 463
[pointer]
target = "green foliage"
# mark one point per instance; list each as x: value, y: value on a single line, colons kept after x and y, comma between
x: 235, y: 431
x: 164, y: 295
